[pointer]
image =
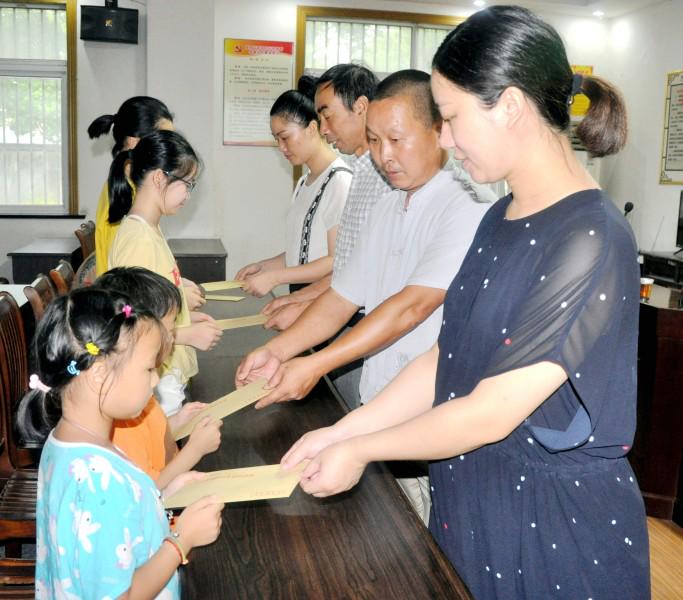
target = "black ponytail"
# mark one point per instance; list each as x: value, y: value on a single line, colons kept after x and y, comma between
x: 60, y: 349
x: 120, y: 191
x: 100, y: 126
x: 165, y: 150
x: 136, y: 117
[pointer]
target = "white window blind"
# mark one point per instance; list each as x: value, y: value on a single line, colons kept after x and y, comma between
x: 33, y: 110
x: 383, y: 47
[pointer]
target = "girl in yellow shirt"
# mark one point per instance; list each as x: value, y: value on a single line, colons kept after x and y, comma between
x: 163, y: 167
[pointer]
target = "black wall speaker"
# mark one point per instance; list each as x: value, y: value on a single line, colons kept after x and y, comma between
x: 103, y: 24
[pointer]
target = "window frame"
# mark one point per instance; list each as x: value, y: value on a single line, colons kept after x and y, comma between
x: 328, y: 12
x: 69, y: 104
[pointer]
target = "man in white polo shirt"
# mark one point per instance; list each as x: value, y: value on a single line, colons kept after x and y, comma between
x: 404, y: 259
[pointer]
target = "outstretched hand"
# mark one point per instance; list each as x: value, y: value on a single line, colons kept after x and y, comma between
x: 193, y: 294
x: 258, y: 364
x: 292, y: 381
x: 186, y: 413
x: 335, y: 469
x: 283, y: 318
x: 310, y: 445
x: 260, y: 283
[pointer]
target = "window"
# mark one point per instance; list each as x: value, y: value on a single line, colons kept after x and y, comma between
x: 383, y: 41
x: 36, y: 91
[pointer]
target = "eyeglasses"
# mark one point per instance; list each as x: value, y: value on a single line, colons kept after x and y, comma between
x: 190, y: 185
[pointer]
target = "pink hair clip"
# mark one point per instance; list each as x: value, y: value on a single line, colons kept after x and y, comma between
x: 35, y: 383
x: 127, y: 310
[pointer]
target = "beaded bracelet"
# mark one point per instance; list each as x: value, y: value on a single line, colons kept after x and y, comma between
x: 178, y: 548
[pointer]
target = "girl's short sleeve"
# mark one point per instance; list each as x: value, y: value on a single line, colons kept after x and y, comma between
x: 580, y: 311
x: 335, y: 198
x: 100, y: 553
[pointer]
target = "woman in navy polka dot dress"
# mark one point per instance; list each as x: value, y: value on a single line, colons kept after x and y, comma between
x: 526, y: 406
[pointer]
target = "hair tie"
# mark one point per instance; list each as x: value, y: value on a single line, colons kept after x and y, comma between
x: 577, y: 83
x: 127, y: 310
x: 92, y: 348
x: 72, y: 369
x: 35, y: 383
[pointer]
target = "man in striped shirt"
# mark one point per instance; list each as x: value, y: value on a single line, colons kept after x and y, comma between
x: 342, y: 98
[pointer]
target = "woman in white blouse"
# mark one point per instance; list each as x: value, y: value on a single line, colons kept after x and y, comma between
x: 317, y: 202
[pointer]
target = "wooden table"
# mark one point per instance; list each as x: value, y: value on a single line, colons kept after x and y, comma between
x: 41, y: 255
x: 364, y: 544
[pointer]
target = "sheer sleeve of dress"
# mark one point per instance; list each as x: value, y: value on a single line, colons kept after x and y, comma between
x: 580, y: 311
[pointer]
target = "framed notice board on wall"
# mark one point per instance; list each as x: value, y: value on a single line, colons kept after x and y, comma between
x: 671, y: 172
x: 255, y: 73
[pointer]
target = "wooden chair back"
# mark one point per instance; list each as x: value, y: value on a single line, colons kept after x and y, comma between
x: 13, y: 378
x: 86, y: 236
x: 62, y: 277
x: 18, y: 494
x: 39, y: 294
x: 85, y: 274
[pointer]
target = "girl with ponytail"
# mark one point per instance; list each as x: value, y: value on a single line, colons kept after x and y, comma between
x: 164, y: 168
x: 101, y: 530
x: 526, y: 406
x: 136, y: 117
x: 317, y: 202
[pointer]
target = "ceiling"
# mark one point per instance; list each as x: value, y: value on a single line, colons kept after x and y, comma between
x: 578, y: 8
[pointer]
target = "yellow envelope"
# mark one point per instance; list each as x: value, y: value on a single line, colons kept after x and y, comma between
x: 224, y: 298
x: 225, y: 406
x: 239, y: 485
x: 238, y: 322
x: 215, y: 286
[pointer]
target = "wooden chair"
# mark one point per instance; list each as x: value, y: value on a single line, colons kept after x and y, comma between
x: 17, y: 578
x: 39, y: 294
x: 86, y: 274
x: 18, y: 494
x: 62, y: 277
x: 86, y: 236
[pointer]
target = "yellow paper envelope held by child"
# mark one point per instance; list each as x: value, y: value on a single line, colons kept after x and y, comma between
x: 237, y: 322
x: 216, y: 286
x: 239, y: 485
x: 225, y: 406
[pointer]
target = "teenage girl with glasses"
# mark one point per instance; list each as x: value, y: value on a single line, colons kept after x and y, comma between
x: 137, y: 117
x: 164, y: 168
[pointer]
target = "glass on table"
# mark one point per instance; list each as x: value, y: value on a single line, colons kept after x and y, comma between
x: 646, y: 288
